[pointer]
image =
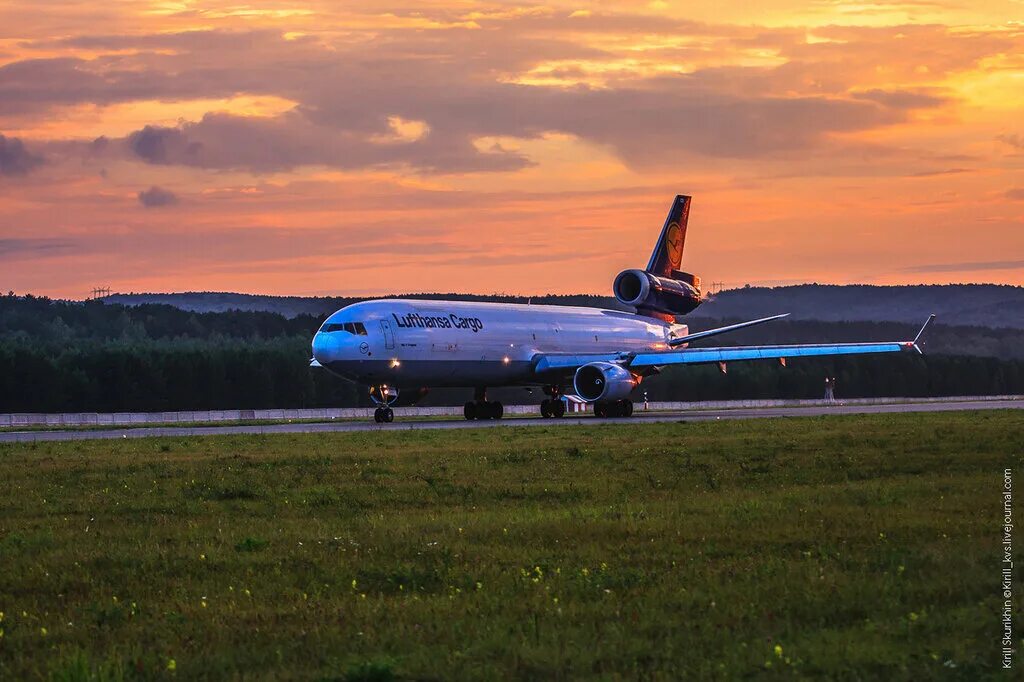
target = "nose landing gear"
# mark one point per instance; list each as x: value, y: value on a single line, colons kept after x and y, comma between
x: 480, y: 408
x: 384, y: 396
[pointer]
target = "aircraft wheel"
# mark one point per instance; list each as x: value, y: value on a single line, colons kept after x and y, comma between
x: 558, y: 408
x: 388, y: 415
x: 497, y: 410
x: 627, y: 408
x: 545, y: 408
x: 469, y: 410
x: 377, y: 416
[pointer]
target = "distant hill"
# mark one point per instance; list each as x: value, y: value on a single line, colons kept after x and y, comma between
x: 983, y: 305
x: 293, y: 306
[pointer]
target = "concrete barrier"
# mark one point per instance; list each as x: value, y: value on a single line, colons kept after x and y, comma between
x: 23, y: 419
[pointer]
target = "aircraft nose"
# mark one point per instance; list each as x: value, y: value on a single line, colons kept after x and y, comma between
x: 323, y: 348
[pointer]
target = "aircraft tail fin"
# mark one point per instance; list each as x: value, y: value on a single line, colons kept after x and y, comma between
x: 668, y: 252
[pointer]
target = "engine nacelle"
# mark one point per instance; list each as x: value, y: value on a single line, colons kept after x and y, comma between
x: 644, y: 291
x: 603, y: 381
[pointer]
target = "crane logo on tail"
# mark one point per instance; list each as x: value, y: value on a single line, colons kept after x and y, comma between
x: 674, y: 244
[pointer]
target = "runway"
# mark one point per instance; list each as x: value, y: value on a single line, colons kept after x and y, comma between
x: 411, y: 424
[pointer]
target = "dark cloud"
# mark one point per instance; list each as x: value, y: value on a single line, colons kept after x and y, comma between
x: 648, y: 124
x: 1012, y: 140
x: 156, y: 197
x: 159, y: 145
x: 944, y: 171
x: 264, y: 144
x: 15, y: 159
x: 32, y: 248
x: 902, y: 99
x: 37, y: 85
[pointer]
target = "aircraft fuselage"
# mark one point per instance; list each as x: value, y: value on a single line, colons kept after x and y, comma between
x: 414, y: 343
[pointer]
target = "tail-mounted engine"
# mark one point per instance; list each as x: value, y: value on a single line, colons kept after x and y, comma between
x: 653, y: 294
x: 661, y: 289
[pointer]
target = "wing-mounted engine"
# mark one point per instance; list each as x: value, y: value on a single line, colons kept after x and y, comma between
x: 653, y: 294
x: 604, y: 381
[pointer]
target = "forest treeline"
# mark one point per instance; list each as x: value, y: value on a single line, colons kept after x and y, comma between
x: 68, y: 356
x: 979, y: 305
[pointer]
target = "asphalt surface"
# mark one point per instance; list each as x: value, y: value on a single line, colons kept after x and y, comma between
x: 411, y: 424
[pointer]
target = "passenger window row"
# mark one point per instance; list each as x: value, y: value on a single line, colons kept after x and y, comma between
x: 356, y: 328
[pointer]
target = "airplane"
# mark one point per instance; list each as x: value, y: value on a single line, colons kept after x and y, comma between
x: 601, y: 356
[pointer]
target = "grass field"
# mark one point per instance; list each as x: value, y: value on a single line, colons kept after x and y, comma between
x: 862, y: 547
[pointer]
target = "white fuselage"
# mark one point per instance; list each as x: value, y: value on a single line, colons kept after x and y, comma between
x: 413, y: 343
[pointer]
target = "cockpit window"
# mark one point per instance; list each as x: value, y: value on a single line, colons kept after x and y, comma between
x: 356, y: 328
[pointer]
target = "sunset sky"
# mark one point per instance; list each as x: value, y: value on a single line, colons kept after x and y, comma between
x: 325, y: 147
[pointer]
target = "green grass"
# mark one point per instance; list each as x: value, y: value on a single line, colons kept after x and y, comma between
x: 861, y: 547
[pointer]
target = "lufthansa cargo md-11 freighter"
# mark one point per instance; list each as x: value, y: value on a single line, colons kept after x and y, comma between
x: 601, y: 356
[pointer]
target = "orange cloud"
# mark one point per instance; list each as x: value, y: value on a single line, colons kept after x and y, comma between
x: 437, y: 146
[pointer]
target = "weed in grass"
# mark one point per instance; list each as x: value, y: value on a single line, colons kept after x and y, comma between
x: 378, y: 670
x: 251, y: 545
x: 78, y: 667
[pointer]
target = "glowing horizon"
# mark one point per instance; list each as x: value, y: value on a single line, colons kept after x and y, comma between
x: 295, y: 148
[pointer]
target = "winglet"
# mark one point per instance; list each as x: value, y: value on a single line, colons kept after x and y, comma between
x: 920, y: 333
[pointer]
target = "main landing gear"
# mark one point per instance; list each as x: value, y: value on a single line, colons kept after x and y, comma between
x: 613, y: 408
x: 553, y: 406
x: 480, y: 408
x: 383, y: 415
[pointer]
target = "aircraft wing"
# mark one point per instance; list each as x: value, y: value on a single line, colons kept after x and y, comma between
x: 697, y: 356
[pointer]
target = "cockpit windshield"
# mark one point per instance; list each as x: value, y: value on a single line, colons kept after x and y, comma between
x: 356, y: 328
